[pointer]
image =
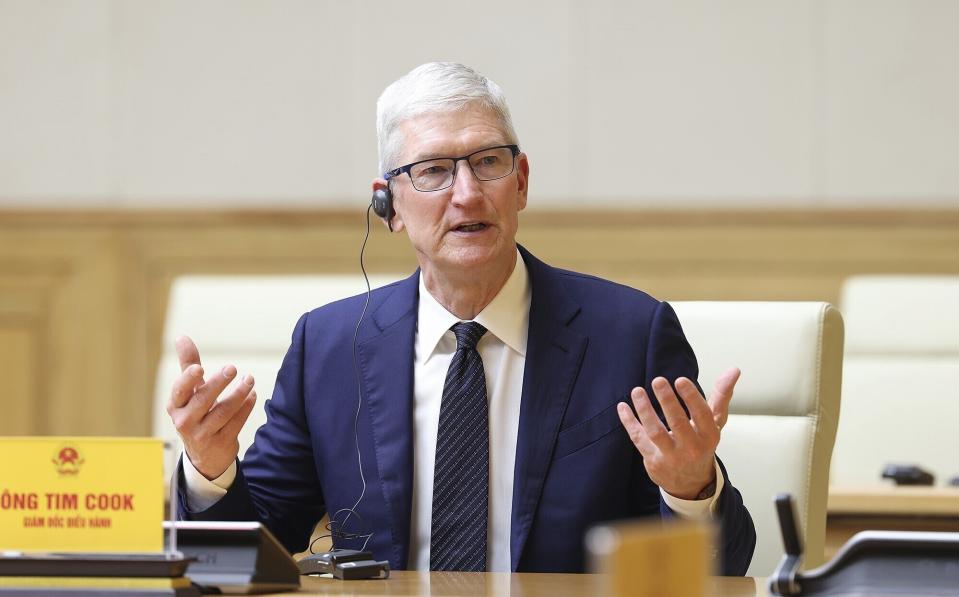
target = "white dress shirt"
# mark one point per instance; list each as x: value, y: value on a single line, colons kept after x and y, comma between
x: 503, y: 350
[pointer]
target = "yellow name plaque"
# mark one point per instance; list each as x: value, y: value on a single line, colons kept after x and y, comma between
x: 90, y: 494
x: 652, y: 557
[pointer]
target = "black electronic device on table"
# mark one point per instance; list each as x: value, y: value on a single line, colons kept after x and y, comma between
x: 345, y: 564
x: 235, y: 557
x: 908, y: 474
x: 870, y: 563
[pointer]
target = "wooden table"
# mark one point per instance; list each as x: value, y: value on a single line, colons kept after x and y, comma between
x: 421, y: 584
x: 892, y: 508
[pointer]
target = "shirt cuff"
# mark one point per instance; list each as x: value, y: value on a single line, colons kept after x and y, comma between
x: 201, y: 493
x: 697, y: 509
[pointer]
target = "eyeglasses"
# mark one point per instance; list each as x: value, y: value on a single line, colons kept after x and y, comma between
x: 438, y: 173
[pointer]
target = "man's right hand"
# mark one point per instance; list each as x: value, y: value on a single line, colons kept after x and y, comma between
x: 209, y: 427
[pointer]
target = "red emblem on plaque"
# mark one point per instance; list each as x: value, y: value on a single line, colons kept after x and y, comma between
x: 67, y: 460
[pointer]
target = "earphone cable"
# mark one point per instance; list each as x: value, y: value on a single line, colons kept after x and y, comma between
x: 359, y: 391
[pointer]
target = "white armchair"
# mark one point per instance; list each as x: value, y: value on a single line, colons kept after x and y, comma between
x: 779, y: 436
x: 245, y: 321
x: 900, y: 398
x: 784, y: 413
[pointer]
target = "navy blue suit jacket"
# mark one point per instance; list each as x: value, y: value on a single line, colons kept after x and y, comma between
x: 590, y: 342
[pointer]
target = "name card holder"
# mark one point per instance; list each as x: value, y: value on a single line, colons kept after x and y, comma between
x: 640, y: 559
x: 84, y: 516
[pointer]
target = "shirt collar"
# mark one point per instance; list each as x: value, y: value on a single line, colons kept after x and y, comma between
x: 506, y: 317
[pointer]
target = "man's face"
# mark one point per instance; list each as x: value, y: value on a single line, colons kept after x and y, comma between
x: 470, y: 226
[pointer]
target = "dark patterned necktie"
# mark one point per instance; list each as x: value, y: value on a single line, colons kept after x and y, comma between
x: 461, y: 471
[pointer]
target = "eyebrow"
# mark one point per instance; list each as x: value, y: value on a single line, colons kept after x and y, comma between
x: 429, y: 156
x: 436, y: 156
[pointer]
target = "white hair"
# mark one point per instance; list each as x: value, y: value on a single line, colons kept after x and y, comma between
x: 434, y: 87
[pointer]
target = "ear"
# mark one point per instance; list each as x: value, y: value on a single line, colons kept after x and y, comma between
x: 522, y: 180
x: 397, y: 223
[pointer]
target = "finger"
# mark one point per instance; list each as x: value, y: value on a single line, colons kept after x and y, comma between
x: 207, y: 394
x: 184, y: 386
x: 186, y: 352
x: 676, y: 417
x: 635, y: 430
x: 235, y: 424
x: 697, y: 406
x: 652, y: 426
x: 225, y: 408
x: 722, y: 394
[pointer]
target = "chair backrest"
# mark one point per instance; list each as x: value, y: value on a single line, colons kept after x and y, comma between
x: 784, y: 412
x: 900, y: 398
x: 245, y: 321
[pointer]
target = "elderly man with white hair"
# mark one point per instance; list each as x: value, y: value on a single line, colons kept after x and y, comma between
x: 482, y: 413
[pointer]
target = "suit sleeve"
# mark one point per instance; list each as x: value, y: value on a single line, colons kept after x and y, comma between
x: 276, y: 483
x: 669, y: 355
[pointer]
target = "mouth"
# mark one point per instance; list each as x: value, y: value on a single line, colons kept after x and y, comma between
x: 471, y: 227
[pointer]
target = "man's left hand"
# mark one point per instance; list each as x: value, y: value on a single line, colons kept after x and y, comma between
x: 680, y: 459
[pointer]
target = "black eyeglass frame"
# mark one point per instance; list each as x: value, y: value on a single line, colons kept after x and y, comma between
x: 514, y: 149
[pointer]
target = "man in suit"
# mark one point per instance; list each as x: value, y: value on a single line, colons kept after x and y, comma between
x: 482, y: 413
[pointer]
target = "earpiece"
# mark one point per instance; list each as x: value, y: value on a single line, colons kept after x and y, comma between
x: 382, y: 202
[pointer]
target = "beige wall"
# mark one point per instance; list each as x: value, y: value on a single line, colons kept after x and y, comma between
x: 259, y: 115
x: 638, y: 103
x: 83, y: 294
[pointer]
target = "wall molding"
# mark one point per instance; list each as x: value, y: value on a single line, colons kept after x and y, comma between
x: 84, y: 291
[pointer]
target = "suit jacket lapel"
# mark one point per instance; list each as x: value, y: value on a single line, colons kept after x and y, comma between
x: 554, y: 356
x: 385, y: 357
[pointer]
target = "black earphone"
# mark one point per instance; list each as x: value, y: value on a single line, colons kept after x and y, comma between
x: 382, y: 203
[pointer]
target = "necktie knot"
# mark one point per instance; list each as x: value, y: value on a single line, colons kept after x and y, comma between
x: 467, y: 334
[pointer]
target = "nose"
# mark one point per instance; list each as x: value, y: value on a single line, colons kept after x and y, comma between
x: 466, y: 187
